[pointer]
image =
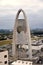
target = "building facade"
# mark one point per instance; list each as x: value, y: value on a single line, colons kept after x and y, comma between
x: 3, y: 57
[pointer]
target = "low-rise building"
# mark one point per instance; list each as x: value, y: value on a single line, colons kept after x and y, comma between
x: 3, y: 57
x: 22, y: 62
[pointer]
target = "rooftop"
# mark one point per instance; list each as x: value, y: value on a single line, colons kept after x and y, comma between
x: 1, y: 50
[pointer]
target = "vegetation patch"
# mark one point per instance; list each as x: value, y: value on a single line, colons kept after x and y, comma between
x: 5, y: 42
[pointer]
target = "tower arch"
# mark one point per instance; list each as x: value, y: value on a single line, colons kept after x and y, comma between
x: 25, y: 18
x: 20, y: 10
x: 21, y: 36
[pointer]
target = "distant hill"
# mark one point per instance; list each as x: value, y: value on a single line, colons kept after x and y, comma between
x: 4, y: 31
x: 33, y: 31
x: 37, y: 31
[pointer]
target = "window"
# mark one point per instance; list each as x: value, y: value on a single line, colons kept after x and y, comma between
x: 26, y: 62
x: 5, y: 56
x: 5, y: 62
x: 29, y: 63
x: 22, y: 62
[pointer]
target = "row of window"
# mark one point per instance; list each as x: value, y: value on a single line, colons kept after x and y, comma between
x: 5, y: 56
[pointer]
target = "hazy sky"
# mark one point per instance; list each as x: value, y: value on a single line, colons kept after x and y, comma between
x: 32, y: 8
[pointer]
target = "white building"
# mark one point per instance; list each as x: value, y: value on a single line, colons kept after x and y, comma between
x: 3, y: 57
x: 37, y: 47
x: 20, y: 62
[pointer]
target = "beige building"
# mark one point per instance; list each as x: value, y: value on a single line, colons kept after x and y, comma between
x: 3, y: 57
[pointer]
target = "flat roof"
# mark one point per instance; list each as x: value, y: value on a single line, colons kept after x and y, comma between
x: 1, y: 50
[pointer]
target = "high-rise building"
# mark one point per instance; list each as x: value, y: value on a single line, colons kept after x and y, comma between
x: 21, y: 37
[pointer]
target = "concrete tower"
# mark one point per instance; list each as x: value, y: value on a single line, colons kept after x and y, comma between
x: 21, y: 37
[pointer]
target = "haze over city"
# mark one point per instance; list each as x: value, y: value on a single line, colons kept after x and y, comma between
x: 9, y: 8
